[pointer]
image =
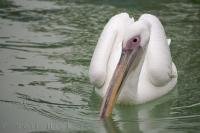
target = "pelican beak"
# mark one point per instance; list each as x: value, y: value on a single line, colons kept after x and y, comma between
x: 126, y: 60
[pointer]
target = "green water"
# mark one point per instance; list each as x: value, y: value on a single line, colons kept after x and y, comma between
x: 45, y: 51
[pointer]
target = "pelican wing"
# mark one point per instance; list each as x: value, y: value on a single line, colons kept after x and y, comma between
x: 98, y: 65
x: 159, y: 61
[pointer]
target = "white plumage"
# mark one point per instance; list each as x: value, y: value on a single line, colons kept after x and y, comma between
x: 152, y: 74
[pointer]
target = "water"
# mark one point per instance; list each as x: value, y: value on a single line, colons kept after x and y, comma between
x: 45, y: 50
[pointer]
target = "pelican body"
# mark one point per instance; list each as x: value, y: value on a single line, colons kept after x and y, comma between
x: 132, y: 62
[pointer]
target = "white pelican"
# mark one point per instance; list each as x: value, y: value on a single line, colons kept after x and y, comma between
x: 132, y: 62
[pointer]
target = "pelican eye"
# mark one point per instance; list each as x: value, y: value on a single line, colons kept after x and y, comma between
x: 132, y: 43
x: 135, y: 39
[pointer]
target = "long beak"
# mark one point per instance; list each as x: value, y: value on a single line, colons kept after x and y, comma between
x: 121, y: 71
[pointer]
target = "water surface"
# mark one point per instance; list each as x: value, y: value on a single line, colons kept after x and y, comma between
x: 45, y: 51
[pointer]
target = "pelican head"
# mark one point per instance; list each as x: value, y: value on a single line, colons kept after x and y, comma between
x: 132, y: 62
x: 133, y: 47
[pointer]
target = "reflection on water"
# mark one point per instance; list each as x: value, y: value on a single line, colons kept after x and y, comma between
x: 45, y: 50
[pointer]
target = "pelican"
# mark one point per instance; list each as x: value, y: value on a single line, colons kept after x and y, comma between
x: 132, y: 63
